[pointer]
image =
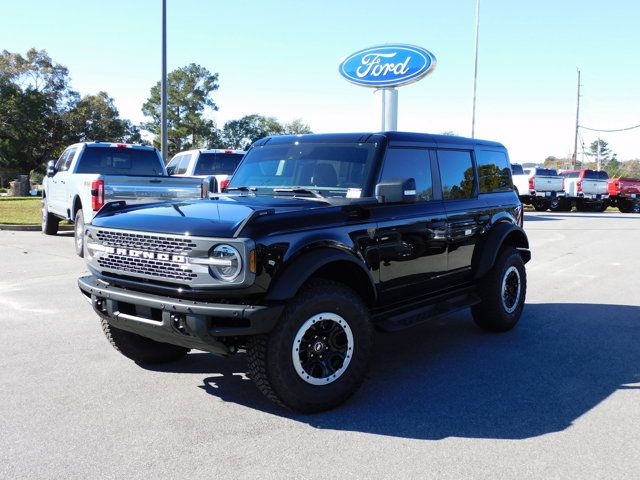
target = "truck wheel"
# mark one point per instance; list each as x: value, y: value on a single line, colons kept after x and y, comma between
x: 49, y: 221
x: 541, y: 206
x: 554, y: 204
x: 317, y: 355
x: 600, y: 207
x: 582, y: 206
x: 78, y: 233
x: 624, y: 206
x: 141, y: 349
x: 502, y: 293
x: 635, y: 207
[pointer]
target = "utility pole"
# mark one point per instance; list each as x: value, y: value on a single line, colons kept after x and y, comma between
x: 475, y: 72
x: 575, y: 141
x: 163, y: 85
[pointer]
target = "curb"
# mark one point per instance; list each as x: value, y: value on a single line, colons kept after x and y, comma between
x: 34, y: 228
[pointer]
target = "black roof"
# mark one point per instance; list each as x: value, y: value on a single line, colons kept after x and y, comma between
x: 394, y: 139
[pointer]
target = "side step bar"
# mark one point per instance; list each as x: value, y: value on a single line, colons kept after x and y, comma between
x: 391, y: 322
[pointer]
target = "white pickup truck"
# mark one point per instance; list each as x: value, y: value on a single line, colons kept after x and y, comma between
x: 89, y: 175
x: 206, y: 163
x: 586, y: 189
x: 541, y: 187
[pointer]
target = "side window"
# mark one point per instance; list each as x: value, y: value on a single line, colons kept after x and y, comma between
x: 173, y: 164
x: 181, y: 169
x: 494, y: 174
x: 410, y: 163
x: 67, y: 162
x: 60, y: 164
x: 456, y: 173
x: 517, y: 169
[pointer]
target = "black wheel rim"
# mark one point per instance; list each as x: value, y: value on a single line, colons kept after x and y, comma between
x: 511, y: 287
x: 322, y: 349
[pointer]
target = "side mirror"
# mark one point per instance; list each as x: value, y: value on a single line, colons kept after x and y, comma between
x: 51, y: 168
x: 171, y: 170
x: 396, y: 190
x: 209, y: 186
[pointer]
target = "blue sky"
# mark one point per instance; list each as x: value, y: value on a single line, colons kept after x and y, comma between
x: 281, y: 58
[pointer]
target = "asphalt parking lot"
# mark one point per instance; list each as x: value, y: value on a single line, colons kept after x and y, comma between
x: 558, y: 397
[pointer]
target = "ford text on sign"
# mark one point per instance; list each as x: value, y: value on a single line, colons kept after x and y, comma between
x: 388, y: 65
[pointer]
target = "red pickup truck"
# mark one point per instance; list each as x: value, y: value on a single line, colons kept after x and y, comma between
x: 624, y: 193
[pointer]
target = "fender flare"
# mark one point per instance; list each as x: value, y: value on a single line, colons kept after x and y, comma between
x: 304, y: 266
x: 487, y: 251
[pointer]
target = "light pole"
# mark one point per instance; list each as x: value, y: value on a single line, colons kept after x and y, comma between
x: 475, y: 72
x: 163, y: 85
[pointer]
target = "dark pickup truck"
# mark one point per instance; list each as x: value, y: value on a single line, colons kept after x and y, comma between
x: 317, y: 240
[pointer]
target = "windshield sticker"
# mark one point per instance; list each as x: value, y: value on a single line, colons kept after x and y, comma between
x: 354, y: 192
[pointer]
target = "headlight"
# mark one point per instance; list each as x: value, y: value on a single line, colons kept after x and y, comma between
x: 226, y: 262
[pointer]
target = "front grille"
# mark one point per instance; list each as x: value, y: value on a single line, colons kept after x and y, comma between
x: 156, y: 268
x: 164, y: 244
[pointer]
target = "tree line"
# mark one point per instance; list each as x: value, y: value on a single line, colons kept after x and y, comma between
x: 40, y: 114
x: 608, y: 161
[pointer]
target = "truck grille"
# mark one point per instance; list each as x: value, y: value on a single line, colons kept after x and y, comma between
x: 145, y: 242
x: 150, y: 243
x: 156, y: 268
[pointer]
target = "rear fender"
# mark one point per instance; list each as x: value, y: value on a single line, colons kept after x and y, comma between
x: 501, y: 234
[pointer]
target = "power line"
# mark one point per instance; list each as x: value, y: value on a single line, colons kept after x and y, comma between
x: 613, y: 130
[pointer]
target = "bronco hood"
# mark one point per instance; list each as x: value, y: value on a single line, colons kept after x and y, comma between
x: 221, y: 217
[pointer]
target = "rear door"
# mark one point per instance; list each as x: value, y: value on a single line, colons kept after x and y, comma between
x: 411, y: 237
x: 466, y: 214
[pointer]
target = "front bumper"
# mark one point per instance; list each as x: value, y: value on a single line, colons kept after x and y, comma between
x: 190, y: 324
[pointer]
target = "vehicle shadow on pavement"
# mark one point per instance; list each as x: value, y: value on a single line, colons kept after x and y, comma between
x: 537, y: 218
x: 449, y: 379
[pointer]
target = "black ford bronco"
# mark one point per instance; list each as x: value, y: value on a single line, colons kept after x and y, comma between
x: 317, y: 240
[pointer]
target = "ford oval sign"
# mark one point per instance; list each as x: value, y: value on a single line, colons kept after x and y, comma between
x: 388, y: 65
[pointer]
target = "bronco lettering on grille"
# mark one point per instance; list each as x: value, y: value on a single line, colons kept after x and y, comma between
x: 129, y: 252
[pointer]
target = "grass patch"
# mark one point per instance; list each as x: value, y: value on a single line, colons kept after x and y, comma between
x: 20, y: 210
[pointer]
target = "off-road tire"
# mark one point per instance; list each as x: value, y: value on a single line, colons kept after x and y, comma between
x: 269, y: 356
x: 491, y: 314
x: 50, y: 222
x: 541, y: 206
x: 141, y: 349
x: 78, y: 239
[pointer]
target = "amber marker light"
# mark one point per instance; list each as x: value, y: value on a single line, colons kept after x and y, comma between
x: 252, y: 261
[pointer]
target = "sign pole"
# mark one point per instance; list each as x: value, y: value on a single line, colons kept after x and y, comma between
x: 163, y: 87
x: 390, y: 109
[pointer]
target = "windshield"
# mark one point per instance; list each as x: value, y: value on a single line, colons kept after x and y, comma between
x: 217, y: 163
x: 332, y: 169
x: 120, y: 161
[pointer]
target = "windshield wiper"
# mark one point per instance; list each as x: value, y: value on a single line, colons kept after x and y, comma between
x: 297, y: 190
x: 242, y: 189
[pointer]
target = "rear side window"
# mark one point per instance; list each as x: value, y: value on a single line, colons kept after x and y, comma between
x: 217, y: 163
x: 410, y: 163
x: 456, y: 174
x: 119, y: 161
x: 494, y: 174
x: 595, y: 175
x: 517, y: 169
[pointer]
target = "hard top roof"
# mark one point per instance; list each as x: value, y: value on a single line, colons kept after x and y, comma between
x: 394, y: 138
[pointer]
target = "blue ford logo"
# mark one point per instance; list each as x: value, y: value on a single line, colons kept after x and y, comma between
x: 387, y: 65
